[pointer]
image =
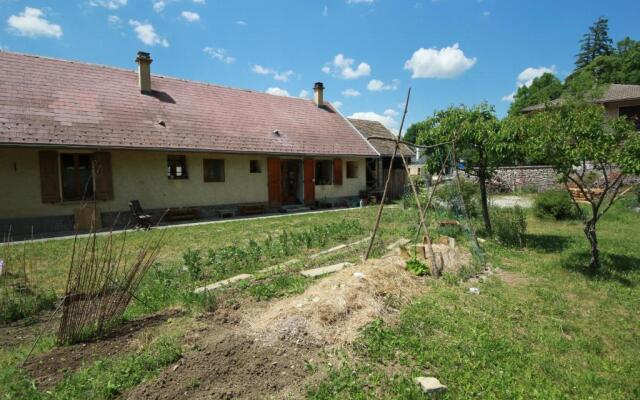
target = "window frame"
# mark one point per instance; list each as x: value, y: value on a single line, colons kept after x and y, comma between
x: 257, y: 165
x: 208, y: 163
x: 319, y: 170
x: 352, y: 169
x: 79, y: 195
x: 172, y: 168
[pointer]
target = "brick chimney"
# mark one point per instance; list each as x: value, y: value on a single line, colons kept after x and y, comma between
x: 318, y: 94
x: 144, y: 71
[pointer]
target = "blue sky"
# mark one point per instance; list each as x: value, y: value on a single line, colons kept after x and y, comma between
x: 367, y: 52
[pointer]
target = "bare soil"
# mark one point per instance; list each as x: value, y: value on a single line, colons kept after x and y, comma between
x: 49, y: 368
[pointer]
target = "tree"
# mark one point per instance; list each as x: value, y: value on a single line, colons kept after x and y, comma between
x: 474, y: 131
x: 591, y: 153
x: 596, y: 42
x: 542, y: 90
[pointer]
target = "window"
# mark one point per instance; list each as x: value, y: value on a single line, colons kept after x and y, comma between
x: 632, y: 114
x: 352, y: 169
x: 177, y: 167
x: 77, y: 177
x: 324, y: 170
x: 214, y: 170
x: 254, y: 167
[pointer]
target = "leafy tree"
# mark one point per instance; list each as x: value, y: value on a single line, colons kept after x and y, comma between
x: 475, y: 130
x: 586, y: 148
x: 412, y: 133
x: 596, y: 42
x: 622, y: 66
x: 543, y: 89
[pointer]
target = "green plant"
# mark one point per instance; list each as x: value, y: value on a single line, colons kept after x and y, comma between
x: 509, y: 226
x: 193, y: 261
x: 279, y: 286
x: 417, y: 267
x: 556, y: 204
x: 449, y: 193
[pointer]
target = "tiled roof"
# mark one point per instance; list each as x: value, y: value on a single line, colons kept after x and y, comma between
x: 374, y: 128
x: 613, y: 93
x: 61, y: 103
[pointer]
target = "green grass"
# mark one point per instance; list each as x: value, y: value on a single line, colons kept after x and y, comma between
x: 552, y: 333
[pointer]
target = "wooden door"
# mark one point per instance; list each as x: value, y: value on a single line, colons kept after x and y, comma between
x: 290, y: 176
x: 275, y: 182
x: 309, y: 181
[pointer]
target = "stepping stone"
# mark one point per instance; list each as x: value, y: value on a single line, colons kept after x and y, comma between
x: 219, y: 284
x: 398, y: 243
x: 312, y: 273
x: 430, y: 385
x: 279, y: 266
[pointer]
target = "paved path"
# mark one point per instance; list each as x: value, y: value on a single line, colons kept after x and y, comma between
x: 511, y: 201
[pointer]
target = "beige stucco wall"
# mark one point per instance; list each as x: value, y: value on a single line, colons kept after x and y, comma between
x: 142, y: 175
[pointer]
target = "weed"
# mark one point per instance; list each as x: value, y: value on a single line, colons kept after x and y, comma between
x: 509, y: 226
x: 279, y: 286
x: 193, y: 261
x: 556, y: 204
x: 417, y: 267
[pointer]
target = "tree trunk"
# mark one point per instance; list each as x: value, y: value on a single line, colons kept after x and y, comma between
x: 482, y: 180
x: 590, y: 232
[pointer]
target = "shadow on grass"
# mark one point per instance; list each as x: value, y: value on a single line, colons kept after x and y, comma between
x: 615, y: 267
x: 548, y: 243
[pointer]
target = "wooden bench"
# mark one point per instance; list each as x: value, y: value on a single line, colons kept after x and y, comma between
x: 579, y: 197
x: 251, y: 209
x: 180, y: 214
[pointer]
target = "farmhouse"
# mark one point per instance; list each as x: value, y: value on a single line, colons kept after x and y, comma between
x: 71, y: 132
x: 618, y: 100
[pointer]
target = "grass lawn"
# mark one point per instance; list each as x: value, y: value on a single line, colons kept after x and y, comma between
x: 540, y: 330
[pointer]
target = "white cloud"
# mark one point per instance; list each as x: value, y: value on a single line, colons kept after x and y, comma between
x: 337, y: 104
x: 109, y: 4
x: 147, y: 34
x: 325, y: 11
x: 279, y: 76
x: 159, y: 5
x: 376, y: 85
x: 486, y: 14
x: 219, y: 54
x: 447, y: 62
x: 30, y: 23
x: 199, y: 1
x: 386, y: 120
x: 304, y: 94
x: 190, y: 16
x: 350, y: 93
x: 390, y: 112
x: 241, y: 23
x: 114, y: 19
x: 342, y: 67
x: 277, y: 92
x: 526, y: 77
x: 359, y: 1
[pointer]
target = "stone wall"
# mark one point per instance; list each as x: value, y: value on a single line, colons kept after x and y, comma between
x: 509, y: 179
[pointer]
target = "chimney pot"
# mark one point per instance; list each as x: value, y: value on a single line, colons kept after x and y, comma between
x: 144, y: 71
x: 318, y: 92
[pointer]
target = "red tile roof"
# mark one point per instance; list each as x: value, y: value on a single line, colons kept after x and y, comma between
x: 61, y: 103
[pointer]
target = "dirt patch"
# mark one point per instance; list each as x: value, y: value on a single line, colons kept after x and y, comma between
x: 49, y: 368
x: 26, y: 330
x: 513, y: 278
x: 267, y: 353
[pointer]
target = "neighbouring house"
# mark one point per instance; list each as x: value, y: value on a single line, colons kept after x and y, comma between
x: 378, y: 167
x: 71, y: 132
x: 618, y: 100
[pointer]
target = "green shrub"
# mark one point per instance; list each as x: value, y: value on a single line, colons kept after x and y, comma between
x: 417, y: 267
x: 449, y: 193
x: 556, y: 204
x: 509, y: 226
x: 193, y: 261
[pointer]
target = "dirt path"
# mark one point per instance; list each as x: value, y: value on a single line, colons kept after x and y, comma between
x: 267, y: 349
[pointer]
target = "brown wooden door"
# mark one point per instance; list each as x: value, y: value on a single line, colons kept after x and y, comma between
x: 309, y: 181
x: 337, y: 171
x: 274, y: 181
x: 290, y: 176
x: 49, y: 181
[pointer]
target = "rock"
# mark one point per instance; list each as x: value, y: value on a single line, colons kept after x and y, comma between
x: 358, y: 275
x: 219, y: 284
x: 398, y: 243
x: 430, y: 385
x: 474, y: 290
x: 312, y: 273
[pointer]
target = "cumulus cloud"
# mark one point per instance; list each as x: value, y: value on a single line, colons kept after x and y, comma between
x: 219, y: 54
x: 342, y: 67
x: 31, y: 23
x: 386, y: 120
x: 447, y: 62
x: 279, y: 76
x: 526, y: 77
x: 390, y: 112
x: 276, y: 91
x: 350, y: 93
x: 109, y: 4
x: 241, y: 23
x: 359, y: 1
x: 337, y: 104
x: 376, y: 85
x: 147, y: 34
x: 114, y: 19
x: 304, y: 94
x: 190, y: 16
x: 159, y: 5
x: 199, y: 1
